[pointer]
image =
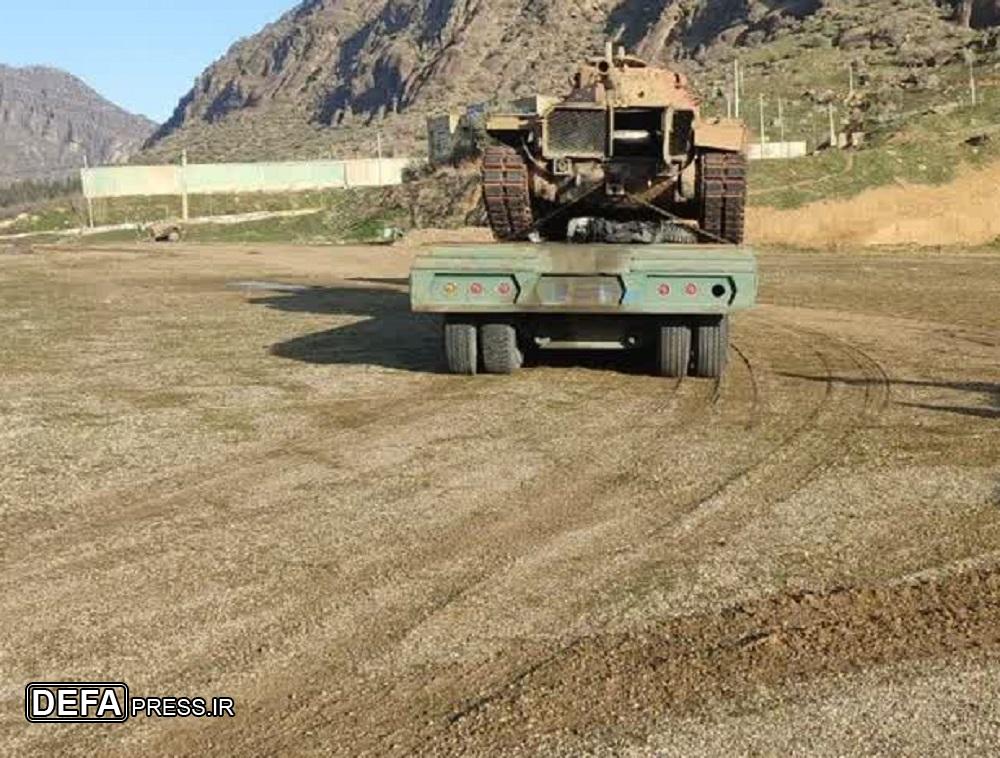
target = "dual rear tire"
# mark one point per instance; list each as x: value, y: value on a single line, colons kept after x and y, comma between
x: 492, y: 347
x: 690, y: 347
x: 699, y: 347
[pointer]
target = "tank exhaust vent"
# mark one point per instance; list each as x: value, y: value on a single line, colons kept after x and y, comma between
x: 577, y: 132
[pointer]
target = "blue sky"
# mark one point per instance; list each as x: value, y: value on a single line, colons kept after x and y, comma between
x: 141, y: 54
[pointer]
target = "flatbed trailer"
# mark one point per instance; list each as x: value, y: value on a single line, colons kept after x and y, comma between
x: 500, y: 300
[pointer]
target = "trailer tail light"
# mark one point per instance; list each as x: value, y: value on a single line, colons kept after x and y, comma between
x: 450, y: 288
x: 476, y: 288
x: 664, y: 290
x: 691, y: 289
x: 504, y: 289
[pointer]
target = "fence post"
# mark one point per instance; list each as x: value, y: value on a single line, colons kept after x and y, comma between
x: 90, y: 201
x: 184, y: 190
x: 380, y: 180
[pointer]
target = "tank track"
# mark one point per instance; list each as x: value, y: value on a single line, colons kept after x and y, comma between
x: 507, y: 193
x: 722, y: 194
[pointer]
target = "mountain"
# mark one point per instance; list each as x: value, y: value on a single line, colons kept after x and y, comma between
x: 328, y: 72
x: 50, y: 120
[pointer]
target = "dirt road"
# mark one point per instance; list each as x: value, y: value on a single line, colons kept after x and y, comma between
x: 241, y: 472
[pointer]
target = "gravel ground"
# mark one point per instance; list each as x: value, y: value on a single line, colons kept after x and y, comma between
x: 242, y: 471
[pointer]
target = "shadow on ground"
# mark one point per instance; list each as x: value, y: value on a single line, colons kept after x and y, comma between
x: 387, y: 334
x: 632, y: 362
x: 390, y: 335
x: 986, y: 390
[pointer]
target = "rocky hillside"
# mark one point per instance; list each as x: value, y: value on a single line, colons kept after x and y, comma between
x: 49, y: 120
x: 317, y: 80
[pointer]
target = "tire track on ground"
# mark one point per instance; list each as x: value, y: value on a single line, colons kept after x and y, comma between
x: 793, y: 481
x: 686, y: 664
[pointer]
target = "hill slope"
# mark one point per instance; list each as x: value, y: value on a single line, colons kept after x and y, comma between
x: 321, y: 76
x: 49, y: 120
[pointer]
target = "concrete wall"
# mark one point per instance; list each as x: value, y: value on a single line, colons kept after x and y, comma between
x: 776, y: 150
x: 231, y: 178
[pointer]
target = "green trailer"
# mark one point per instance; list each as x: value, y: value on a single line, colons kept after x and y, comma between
x: 501, y: 300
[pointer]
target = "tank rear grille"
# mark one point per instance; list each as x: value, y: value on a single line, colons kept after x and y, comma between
x: 575, y: 132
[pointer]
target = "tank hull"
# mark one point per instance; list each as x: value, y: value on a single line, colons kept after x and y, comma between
x: 628, y: 144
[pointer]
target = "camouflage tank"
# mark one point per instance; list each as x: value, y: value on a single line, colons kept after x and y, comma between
x: 626, y: 157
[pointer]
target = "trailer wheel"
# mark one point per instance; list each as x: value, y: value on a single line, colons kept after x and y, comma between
x: 674, y: 350
x: 501, y: 354
x: 711, y: 347
x: 461, y: 347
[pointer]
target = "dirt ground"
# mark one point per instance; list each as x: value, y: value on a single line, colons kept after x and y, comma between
x: 241, y: 471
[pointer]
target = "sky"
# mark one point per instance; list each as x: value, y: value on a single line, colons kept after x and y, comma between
x: 141, y: 54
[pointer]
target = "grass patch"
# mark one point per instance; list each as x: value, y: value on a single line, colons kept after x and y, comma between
x: 927, y: 150
x: 50, y: 217
x: 358, y: 215
x: 352, y: 214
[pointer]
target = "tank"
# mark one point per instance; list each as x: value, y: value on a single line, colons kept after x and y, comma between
x: 626, y: 157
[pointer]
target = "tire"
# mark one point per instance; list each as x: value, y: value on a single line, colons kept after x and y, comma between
x: 674, y: 350
x: 461, y: 347
x: 711, y: 347
x: 501, y: 354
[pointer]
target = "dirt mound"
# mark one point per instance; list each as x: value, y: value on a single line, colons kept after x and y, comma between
x: 963, y: 212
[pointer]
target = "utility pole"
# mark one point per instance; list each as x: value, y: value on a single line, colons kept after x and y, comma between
x: 834, y: 141
x: 184, y: 190
x: 850, y: 74
x: 729, y: 105
x: 763, y: 133
x: 743, y: 83
x: 380, y: 159
x: 781, y: 117
x: 90, y: 201
x: 736, y: 86
x: 972, y: 82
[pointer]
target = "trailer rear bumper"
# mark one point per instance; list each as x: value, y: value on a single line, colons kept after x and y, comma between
x: 581, y: 279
